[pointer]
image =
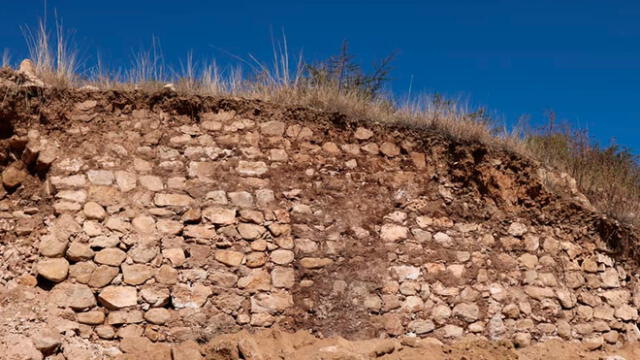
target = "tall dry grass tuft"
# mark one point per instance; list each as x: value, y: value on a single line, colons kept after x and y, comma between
x: 6, y: 58
x: 55, y: 60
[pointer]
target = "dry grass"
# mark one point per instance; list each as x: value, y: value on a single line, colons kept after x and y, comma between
x: 610, y: 177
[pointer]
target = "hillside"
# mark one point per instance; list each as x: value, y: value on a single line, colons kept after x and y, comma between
x: 140, y: 224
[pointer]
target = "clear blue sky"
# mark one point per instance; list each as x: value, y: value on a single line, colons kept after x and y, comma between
x: 579, y: 58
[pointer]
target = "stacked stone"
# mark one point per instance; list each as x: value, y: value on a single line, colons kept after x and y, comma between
x: 173, y: 231
x: 549, y: 288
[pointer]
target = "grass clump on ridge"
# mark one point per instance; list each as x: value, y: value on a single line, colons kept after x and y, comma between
x: 608, y: 176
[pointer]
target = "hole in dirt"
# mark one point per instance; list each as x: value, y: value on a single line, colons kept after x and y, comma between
x: 6, y: 128
x: 45, y: 284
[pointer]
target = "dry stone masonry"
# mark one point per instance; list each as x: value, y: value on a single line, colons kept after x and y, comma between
x: 160, y: 227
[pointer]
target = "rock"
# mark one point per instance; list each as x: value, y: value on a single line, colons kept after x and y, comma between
x: 188, y: 350
x: 273, y: 303
x: 282, y: 257
x: 136, y: 274
x: 363, y: 133
x: 78, y: 251
x: 517, y: 229
x: 229, y: 257
x: 283, y: 277
x: 452, y: 331
x: 314, y: 263
x: 90, y: 317
x: 158, y: 316
x: 443, y: 239
x: 100, y: 177
x: 219, y: 215
x: 102, y: 276
x: 626, y: 313
x: 47, y: 341
x: 144, y: 224
x: 126, y: 181
x: 192, y: 297
x: 521, y: 340
x: 610, y: 278
x: 393, y: 232
x: 13, y: 176
x: 248, y: 168
x: 79, y: 297
x: 151, y: 183
x: 177, y: 200
x: 389, y: 149
x: 468, y: 312
x: 51, y: 247
x: 250, y: 231
x: 55, y: 269
x: 421, y: 327
x: 19, y: 347
x: 118, y: 297
x: 155, y: 295
x: 110, y: 256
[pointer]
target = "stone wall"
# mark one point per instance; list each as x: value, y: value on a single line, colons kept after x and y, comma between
x: 180, y: 230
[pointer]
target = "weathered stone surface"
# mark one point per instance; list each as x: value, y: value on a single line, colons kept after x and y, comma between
x: 271, y: 303
x: 393, y: 232
x: 158, y: 316
x: 110, y: 256
x: 250, y: 231
x: 219, y: 215
x: 466, y: 311
x: 118, y: 297
x: 55, y: 269
x: 188, y: 350
x: 90, y: 317
x: 136, y: 274
x: 315, y: 263
x: 229, y: 257
x: 13, y: 176
x: 249, y: 168
x: 78, y: 251
x: 50, y: 246
x: 282, y: 257
x: 80, y: 297
x: 193, y: 297
x: 178, y: 200
x: 100, y: 177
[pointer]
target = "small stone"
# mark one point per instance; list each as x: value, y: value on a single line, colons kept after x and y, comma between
x: 178, y: 200
x: 282, y: 257
x: 55, y: 269
x: 248, y: 168
x: 521, y: 340
x: 90, y: 317
x: 363, y: 133
x: 229, y: 257
x: 136, y: 274
x: 151, y: 183
x: 389, y: 149
x: 13, y: 176
x: 80, y: 297
x: 51, y: 247
x: 100, y: 177
x: 283, y: 277
x: 250, y: 231
x: 118, y: 297
x: 315, y: 263
x: 517, y: 229
x: 393, y: 232
x: 110, y: 256
x: 78, y: 251
x: 47, y: 341
x: 468, y: 312
x: 93, y: 210
x: 126, y: 181
x: 219, y: 215
x: 158, y: 316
